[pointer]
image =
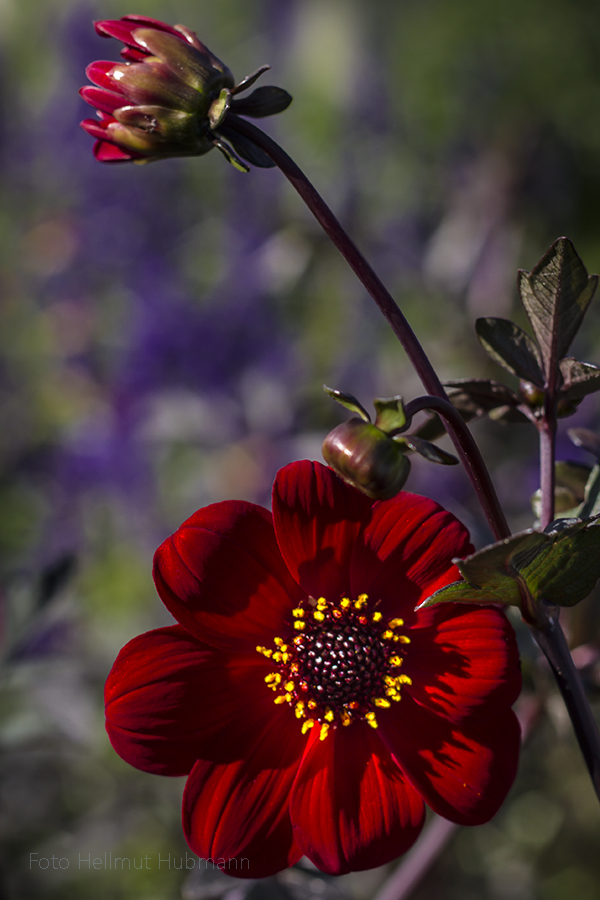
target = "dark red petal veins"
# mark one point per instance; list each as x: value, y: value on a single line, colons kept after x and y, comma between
x: 406, y: 552
x: 237, y: 813
x: 460, y: 657
x: 221, y: 575
x: 463, y: 773
x: 352, y: 808
x: 317, y: 520
x: 171, y: 700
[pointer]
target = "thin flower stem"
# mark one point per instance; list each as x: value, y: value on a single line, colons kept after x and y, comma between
x: 547, y: 453
x: 418, y: 860
x: 551, y: 640
x: 472, y: 454
x: 475, y: 468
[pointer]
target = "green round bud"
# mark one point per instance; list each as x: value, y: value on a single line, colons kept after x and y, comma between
x: 531, y: 393
x: 366, y: 458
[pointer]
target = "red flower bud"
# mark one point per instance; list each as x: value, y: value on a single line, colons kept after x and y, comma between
x: 172, y: 97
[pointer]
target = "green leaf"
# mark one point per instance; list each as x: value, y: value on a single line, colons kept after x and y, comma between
x: 567, y: 568
x: 349, y: 401
x: 390, y: 414
x: 556, y: 294
x: 426, y: 449
x: 588, y: 440
x: 591, y: 501
x: 560, y: 565
x: 477, y: 396
x: 491, y: 575
x: 264, y: 101
x: 510, y: 347
x: 579, y: 378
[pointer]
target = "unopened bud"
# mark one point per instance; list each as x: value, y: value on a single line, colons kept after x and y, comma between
x: 366, y: 458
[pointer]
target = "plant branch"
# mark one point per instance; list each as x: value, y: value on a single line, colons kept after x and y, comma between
x: 547, y: 452
x: 472, y: 459
x: 551, y: 640
x: 482, y: 483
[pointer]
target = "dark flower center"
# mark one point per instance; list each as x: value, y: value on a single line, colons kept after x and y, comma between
x: 341, y: 665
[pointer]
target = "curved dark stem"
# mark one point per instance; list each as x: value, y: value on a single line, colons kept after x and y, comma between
x: 551, y: 640
x: 472, y: 456
x: 475, y: 468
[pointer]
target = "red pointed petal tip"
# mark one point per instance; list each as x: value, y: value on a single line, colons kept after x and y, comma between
x: 97, y: 72
x: 109, y: 153
x: 352, y: 808
x: 122, y: 29
x: 106, y: 101
x: 222, y: 577
x: 317, y: 520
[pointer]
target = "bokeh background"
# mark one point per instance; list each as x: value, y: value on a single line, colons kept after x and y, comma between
x: 165, y: 331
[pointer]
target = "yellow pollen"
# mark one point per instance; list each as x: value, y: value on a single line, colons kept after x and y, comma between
x: 324, y: 731
x: 402, y: 638
x: 294, y: 668
x: 329, y: 716
x: 362, y: 600
x: 274, y: 676
x: 298, y: 640
x: 395, y: 623
x: 387, y: 635
x: 278, y: 641
x: 280, y: 699
x: 277, y: 656
x: 395, y: 661
x: 404, y: 679
x: 298, y: 613
x: 299, y: 625
x: 379, y: 701
x: 376, y: 617
x: 371, y: 719
x: 318, y: 615
x: 345, y: 603
x: 265, y: 652
x: 299, y: 709
x: 346, y: 718
x: 337, y: 613
x: 306, y: 726
x: 312, y: 704
x: 289, y: 686
x: 321, y: 603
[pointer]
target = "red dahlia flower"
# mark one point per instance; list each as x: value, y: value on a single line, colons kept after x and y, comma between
x: 312, y: 708
x: 172, y: 97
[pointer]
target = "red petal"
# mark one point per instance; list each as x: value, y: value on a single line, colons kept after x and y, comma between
x: 406, y: 553
x: 237, y: 813
x: 107, y: 101
x: 122, y: 29
x: 98, y: 71
x: 221, y: 575
x: 110, y: 153
x: 171, y: 700
x: 352, y: 808
x: 317, y: 520
x: 460, y: 657
x: 464, y: 773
